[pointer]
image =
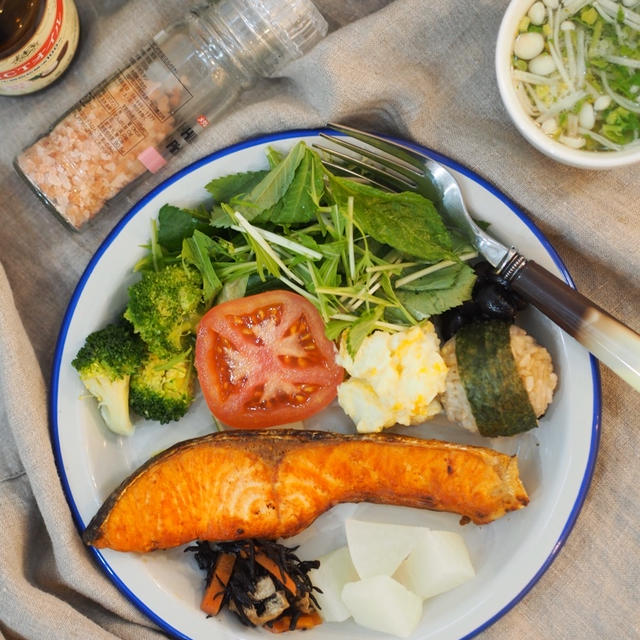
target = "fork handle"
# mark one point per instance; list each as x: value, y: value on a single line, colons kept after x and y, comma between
x: 612, y: 342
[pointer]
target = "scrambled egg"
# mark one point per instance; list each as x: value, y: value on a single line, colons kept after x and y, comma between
x: 395, y: 379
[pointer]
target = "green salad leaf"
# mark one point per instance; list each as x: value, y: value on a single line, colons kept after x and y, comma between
x: 430, y: 302
x: 405, y: 221
x: 366, y: 258
x: 196, y: 250
x: 175, y: 224
x: 361, y: 328
x: 274, y: 157
x: 226, y: 187
x: 444, y: 278
x: 273, y: 186
x: 298, y: 204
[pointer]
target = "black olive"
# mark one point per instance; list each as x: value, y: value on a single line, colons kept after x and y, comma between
x: 483, y: 269
x: 486, y: 274
x: 492, y: 297
x: 449, y: 324
x: 469, y: 309
x: 453, y: 319
x: 493, y: 301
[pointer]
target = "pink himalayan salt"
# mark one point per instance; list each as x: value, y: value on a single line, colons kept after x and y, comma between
x: 77, y: 170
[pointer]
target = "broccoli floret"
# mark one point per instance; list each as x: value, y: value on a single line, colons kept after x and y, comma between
x: 163, y: 390
x: 105, y: 364
x: 165, y: 306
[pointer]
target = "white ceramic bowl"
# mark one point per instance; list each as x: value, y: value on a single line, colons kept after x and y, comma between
x: 527, y: 127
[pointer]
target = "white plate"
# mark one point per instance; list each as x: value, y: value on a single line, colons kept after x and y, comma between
x: 510, y: 555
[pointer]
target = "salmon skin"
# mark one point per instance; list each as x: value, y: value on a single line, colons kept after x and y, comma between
x: 274, y: 483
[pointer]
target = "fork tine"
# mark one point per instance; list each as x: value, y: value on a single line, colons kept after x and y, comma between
x: 430, y: 177
x: 387, y: 180
x: 340, y: 170
x: 384, y: 161
x: 396, y: 149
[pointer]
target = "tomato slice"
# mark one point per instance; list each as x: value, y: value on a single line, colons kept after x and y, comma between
x: 265, y: 360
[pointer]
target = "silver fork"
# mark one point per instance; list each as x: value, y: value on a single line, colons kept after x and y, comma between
x: 401, y: 168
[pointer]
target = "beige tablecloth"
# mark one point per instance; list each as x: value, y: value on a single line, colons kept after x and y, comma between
x: 421, y: 70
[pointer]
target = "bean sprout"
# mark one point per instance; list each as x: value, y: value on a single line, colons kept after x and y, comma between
x: 595, y: 47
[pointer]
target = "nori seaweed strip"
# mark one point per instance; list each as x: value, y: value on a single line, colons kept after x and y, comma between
x: 499, y: 401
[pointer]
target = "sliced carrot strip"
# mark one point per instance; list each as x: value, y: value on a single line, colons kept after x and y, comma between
x: 276, y: 571
x: 305, y: 621
x: 214, y: 593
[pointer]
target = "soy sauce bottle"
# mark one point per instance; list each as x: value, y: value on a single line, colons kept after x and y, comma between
x: 18, y: 22
x: 38, y: 39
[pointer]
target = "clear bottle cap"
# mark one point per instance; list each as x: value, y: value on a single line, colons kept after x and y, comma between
x: 298, y: 23
x: 264, y: 35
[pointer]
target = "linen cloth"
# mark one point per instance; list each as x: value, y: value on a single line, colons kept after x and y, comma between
x: 420, y: 70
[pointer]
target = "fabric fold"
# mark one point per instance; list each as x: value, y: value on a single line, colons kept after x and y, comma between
x: 40, y: 540
x: 419, y: 70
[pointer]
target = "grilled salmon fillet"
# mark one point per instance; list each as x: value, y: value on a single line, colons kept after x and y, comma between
x: 274, y: 483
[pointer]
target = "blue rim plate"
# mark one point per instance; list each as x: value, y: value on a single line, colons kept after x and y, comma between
x: 509, y: 555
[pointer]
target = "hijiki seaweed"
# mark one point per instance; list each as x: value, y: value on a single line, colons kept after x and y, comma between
x: 256, y: 595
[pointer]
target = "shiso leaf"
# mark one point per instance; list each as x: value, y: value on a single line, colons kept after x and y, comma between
x: 405, y: 221
x: 424, y: 304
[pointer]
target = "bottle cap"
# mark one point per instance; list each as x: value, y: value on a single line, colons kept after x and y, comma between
x: 297, y: 23
x: 264, y: 35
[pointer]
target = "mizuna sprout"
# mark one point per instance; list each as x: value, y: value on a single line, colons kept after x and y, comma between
x: 576, y: 71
